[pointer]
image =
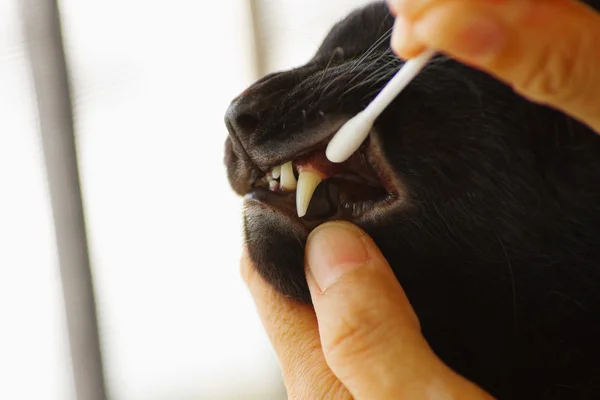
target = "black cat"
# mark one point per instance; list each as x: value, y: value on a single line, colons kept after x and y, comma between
x: 486, y: 205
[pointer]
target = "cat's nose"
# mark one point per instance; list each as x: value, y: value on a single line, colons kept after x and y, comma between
x: 242, y: 117
x: 245, y: 113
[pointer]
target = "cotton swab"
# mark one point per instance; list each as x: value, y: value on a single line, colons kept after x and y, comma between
x: 351, y: 135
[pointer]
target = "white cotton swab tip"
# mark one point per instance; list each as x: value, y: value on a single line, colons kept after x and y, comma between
x: 354, y: 132
x: 349, y: 138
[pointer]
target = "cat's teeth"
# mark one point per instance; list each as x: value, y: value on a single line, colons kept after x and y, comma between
x: 288, y: 180
x: 307, y: 183
x: 276, y: 172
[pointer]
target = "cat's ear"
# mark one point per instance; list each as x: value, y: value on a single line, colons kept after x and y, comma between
x: 338, y: 54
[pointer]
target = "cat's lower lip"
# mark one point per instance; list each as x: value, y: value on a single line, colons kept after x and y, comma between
x: 282, y: 202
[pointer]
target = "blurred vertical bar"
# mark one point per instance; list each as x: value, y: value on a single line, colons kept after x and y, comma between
x: 260, y: 56
x: 48, y: 65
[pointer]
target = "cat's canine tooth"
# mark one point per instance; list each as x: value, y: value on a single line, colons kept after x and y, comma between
x: 276, y: 172
x: 288, y: 180
x: 307, y: 183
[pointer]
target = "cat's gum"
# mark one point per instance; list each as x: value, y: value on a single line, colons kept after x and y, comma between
x: 318, y: 163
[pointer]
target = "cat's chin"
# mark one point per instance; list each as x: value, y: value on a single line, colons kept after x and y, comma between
x: 275, y: 241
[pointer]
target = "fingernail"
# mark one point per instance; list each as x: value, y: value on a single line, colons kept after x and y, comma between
x: 470, y: 35
x: 400, y: 34
x: 334, y: 249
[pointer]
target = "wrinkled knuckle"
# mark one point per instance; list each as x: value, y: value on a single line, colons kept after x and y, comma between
x: 355, y: 338
x: 315, y: 389
x: 337, y: 391
x: 557, y: 74
x: 297, y: 344
x: 306, y: 380
x: 297, y: 381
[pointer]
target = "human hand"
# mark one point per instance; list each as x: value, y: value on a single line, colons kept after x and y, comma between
x: 548, y: 50
x: 362, y: 340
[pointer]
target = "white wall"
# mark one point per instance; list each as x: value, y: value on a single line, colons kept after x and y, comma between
x: 152, y: 81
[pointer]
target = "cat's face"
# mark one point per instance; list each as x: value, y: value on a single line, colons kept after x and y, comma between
x: 451, y: 169
x: 476, y: 196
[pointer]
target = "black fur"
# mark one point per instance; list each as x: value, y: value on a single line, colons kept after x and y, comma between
x: 496, y: 237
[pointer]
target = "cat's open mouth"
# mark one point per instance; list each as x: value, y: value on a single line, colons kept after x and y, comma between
x: 313, y: 188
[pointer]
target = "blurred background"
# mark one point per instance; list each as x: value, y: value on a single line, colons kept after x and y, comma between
x: 151, y: 81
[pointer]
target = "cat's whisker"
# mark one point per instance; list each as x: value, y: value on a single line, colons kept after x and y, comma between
x: 364, y: 68
x: 368, y: 67
x: 331, y: 83
x: 381, y: 73
x: 339, y: 77
x: 367, y: 64
x: 333, y: 55
x: 374, y: 46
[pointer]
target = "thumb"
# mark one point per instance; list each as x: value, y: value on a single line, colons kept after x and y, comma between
x: 548, y: 50
x: 369, y: 332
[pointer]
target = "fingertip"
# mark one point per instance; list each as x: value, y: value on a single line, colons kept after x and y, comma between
x: 400, y: 35
x: 403, y: 42
x: 333, y: 249
x: 345, y: 267
x: 413, y: 50
x: 393, y: 6
x: 545, y: 50
x: 364, y: 319
x: 474, y: 36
